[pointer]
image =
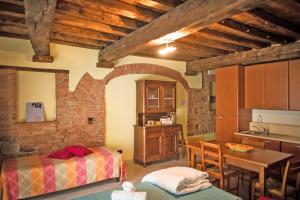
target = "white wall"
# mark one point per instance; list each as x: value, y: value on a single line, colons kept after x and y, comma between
x: 277, y: 116
x: 121, y: 110
x: 36, y: 87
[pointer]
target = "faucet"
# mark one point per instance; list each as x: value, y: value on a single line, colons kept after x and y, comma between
x: 261, y: 129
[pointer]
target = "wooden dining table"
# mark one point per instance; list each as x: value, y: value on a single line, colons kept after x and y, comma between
x: 256, y: 160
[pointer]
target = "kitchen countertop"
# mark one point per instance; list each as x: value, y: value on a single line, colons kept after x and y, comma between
x: 272, y: 136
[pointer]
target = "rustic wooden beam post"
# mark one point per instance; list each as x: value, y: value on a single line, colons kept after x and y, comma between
x: 255, y: 56
x: 179, y: 22
x: 39, y: 18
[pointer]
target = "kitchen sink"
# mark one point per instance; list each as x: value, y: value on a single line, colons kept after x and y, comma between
x: 256, y: 133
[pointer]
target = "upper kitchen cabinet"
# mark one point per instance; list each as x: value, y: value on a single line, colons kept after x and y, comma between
x: 276, y: 85
x: 254, y: 90
x: 294, y: 84
x: 266, y: 86
x: 155, y: 96
x: 226, y: 90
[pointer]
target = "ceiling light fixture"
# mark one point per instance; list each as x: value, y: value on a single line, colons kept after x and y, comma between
x: 168, y: 48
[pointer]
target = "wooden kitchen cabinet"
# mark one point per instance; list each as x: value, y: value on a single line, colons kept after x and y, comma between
x: 266, y: 86
x: 226, y: 126
x: 154, y: 143
x: 294, y: 84
x: 291, y: 148
x: 269, y: 144
x: 276, y: 85
x: 254, y: 87
x: 231, y: 117
x: 155, y: 96
x: 170, y: 139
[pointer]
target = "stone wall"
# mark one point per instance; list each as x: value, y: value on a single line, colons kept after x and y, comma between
x: 200, y: 118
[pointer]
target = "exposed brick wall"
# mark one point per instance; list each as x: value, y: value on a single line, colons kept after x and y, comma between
x: 74, y: 108
x: 146, y: 68
x: 200, y: 118
x: 72, y: 112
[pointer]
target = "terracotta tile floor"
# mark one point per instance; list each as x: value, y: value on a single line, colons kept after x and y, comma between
x: 135, y: 173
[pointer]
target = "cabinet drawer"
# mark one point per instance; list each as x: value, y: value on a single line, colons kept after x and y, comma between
x: 269, y: 144
x: 153, y: 130
x: 171, y: 129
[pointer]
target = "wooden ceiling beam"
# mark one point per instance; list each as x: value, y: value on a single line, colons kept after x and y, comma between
x: 39, y: 19
x: 12, y: 7
x: 85, y: 33
x: 98, y: 16
x: 196, y: 49
x: 183, y: 20
x: 245, y: 30
x: 161, y: 6
x: 14, y: 2
x: 269, y: 54
x: 22, y: 36
x: 61, y: 18
x: 74, y: 39
x: 18, y: 27
x: 193, y: 39
x: 230, y: 38
x: 286, y: 9
x: 118, y: 8
x: 277, y: 22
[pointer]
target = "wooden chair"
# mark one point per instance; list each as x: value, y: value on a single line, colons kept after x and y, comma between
x: 181, y: 142
x: 189, y: 140
x: 251, y: 175
x: 276, y: 188
x: 212, y: 155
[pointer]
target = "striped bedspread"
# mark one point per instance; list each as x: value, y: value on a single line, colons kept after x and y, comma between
x: 33, y: 175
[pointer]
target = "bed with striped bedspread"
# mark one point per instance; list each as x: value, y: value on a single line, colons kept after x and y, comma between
x: 33, y: 175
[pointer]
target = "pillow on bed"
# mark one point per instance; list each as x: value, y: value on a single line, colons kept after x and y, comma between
x: 78, y: 150
x: 61, y: 154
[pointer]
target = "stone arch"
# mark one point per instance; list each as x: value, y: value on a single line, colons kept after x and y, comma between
x: 145, y: 68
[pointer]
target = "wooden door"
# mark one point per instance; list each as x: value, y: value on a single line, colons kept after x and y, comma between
x: 294, y: 84
x: 153, y: 144
x: 152, y: 98
x: 276, y: 85
x: 227, y: 90
x: 171, y: 141
x: 169, y: 98
x: 254, y: 87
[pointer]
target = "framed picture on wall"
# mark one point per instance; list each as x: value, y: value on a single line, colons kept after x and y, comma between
x: 35, y: 112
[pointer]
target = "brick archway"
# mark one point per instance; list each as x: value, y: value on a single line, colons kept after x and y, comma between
x: 145, y: 68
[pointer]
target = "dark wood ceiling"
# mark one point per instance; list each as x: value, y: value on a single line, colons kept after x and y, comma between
x: 97, y: 24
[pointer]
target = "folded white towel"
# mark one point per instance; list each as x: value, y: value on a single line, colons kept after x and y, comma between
x: 179, y: 180
x: 128, y: 195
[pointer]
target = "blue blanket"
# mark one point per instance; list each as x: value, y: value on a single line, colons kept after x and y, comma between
x: 156, y: 193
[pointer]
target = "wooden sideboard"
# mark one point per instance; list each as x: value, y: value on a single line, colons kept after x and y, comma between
x: 154, y: 143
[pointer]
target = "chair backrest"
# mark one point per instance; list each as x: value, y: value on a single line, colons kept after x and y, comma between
x: 295, y: 172
x: 254, y: 143
x: 284, y: 180
x: 190, y: 140
x: 193, y: 139
x: 212, y: 155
